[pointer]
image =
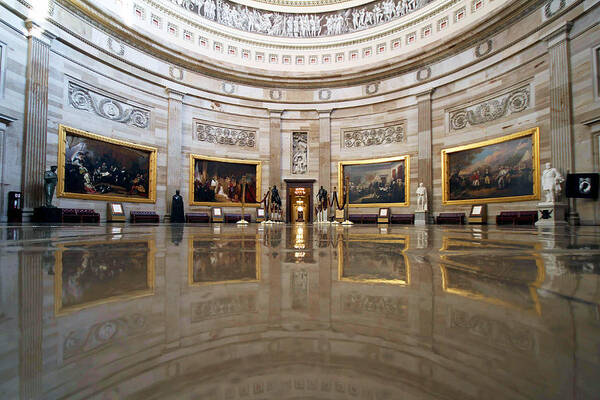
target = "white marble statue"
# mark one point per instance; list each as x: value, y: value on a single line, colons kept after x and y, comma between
x: 551, y: 181
x: 421, y: 197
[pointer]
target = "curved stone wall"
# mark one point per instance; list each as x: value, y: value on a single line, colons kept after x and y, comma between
x: 502, y: 72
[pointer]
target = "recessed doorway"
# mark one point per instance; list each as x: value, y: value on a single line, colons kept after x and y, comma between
x: 299, y: 201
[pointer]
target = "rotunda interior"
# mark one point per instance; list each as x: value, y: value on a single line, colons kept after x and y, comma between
x: 290, y: 199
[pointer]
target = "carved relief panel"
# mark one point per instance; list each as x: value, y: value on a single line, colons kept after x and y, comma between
x: 299, y: 152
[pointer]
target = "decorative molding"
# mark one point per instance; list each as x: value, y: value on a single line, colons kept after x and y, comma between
x: 228, y: 87
x: 224, y: 307
x: 274, y: 23
x: 395, y: 308
x: 223, y: 134
x: 176, y: 72
x: 115, y: 46
x: 424, y: 74
x: 505, y: 104
x: 519, y: 339
x: 275, y: 94
x: 25, y: 3
x: 373, y: 136
x: 483, y: 48
x: 372, y: 88
x: 550, y: 11
x: 86, y: 99
x: 100, y: 334
x: 324, y: 94
x: 299, y: 152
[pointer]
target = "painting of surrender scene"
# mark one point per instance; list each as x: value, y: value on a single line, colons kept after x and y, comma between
x: 87, y: 274
x: 376, y: 182
x: 502, y: 169
x: 100, y: 168
x: 233, y: 259
x: 218, y: 181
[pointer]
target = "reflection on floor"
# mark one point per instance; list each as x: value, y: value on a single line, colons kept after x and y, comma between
x: 298, y: 312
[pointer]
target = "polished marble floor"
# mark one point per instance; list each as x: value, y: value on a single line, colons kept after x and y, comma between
x: 298, y: 312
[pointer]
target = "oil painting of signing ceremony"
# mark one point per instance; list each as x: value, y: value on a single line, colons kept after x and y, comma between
x: 221, y: 182
x: 96, y: 167
x: 382, y: 182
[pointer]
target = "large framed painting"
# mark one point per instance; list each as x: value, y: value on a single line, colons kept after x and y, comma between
x: 366, y: 258
x: 228, y: 259
x: 497, y: 170
x: 381, y: 182
x: 91, y: 273
x: 96, y: 167
x: 218, y: 181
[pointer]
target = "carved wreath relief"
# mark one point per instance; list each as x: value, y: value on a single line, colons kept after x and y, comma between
x: 225, y: 135
x: 299, y: 152
x: 306, y: 25
x: 498, y: 107
x: 374, y: 136
x: 85, y: 99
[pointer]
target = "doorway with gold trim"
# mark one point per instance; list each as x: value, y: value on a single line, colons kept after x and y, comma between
x: 299, y: 201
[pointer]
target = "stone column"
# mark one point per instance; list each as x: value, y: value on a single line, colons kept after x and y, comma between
x: 561, y: 131
x: 36, y: 111
x: 325, y: 150
x: 275, y: 149
x: 174, y: 139
x: 5, y: 120
x: 425, y: 165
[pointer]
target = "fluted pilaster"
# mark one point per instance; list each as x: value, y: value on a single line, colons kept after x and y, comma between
x: 4, y: 122
x: 36, y: 113
x: 325, y: 149
x: 275, y: 148
x: 424, y: 142
x: 174, y: 134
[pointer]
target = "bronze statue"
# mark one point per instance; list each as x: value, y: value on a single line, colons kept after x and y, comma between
x: 50, y: 181
x: 177, y: 212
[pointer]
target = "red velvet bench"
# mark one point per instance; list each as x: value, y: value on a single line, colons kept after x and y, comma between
x: 198, y: 217
x: 517, y: 217
x: 236, y: 217
x: 402, y: 219
x: 450, y: 218
x: 79, y: 215
x: 144, y: 216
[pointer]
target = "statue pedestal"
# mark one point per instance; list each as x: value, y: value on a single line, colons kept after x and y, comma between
x: 47, y: 214
x: 551, y: 214
x: 421, y: 217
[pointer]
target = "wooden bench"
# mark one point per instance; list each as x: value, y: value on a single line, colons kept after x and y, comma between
x: 144, y: 216
x: 79, y: 215
x: 236, y: 217
x: 363, y: 218
x: 450, y: 218
x: 402, y: 219
x: 198, y: 217
x: 517, y: 217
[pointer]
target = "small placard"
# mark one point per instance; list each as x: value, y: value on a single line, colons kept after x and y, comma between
x: 476, y: 210
x: 383, y: 212
x: 217, y: 212
x: 260, y: 212
x: 117, y: 208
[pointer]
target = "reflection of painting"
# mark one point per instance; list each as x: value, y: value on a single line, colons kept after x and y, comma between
x: 92, y: 273
x: 218, y: 181
x: 364, y: 260
x: 376, y: 182
x: 96, y: 167
x: 223, y: 260
x: 503, y: 169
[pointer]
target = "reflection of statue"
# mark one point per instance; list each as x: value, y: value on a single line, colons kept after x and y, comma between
x: 421, y: 197
x: 50, y: 181
x: 177, y: 208
x: 551, y: 180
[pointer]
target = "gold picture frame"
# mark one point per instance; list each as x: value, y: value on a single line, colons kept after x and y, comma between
x: 258, y: 169
x: 59, y: 310
x: 64, y: 131
x: 535, y: 159
x: 203, y: 238
x: 405, y: 158
x: 378, y: 239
